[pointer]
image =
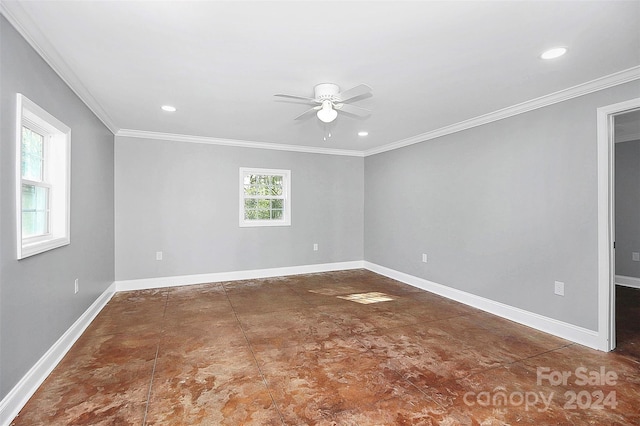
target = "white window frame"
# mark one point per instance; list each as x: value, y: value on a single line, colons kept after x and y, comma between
x: 286, y: 197
x: 57, y: 177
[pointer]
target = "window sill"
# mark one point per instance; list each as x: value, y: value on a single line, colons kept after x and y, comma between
x: 32, y: 249
x: 260, y: 223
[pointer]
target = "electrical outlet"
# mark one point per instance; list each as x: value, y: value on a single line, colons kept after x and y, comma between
x: 424, y: 257
x: 315, y: 247
x: 635, y: 256
x: 76, y: 288
x: 559, y: 288
x: 158, y: 255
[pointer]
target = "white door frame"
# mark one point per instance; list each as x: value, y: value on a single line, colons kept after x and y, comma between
x: 606, y: 222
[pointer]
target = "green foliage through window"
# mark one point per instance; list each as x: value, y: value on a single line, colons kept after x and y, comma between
x: 264, y: 197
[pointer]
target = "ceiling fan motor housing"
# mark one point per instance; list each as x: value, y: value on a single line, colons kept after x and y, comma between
x: 324, y: 91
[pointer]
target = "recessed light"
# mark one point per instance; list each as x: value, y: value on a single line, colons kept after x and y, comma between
x: 363, y: 133
x: 556, y: 52
x: 168, y: 108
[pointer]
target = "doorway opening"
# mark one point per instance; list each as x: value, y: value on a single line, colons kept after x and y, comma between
x: 626, y: 174
x: 606, y: 220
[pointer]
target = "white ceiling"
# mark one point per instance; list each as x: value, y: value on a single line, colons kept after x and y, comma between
x: 430, y: 64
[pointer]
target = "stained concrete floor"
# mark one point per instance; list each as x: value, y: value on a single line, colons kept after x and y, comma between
x: 297, y: 351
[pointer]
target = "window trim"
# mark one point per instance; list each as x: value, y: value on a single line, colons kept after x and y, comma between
x: 57, y: 149
x: 286, y: 175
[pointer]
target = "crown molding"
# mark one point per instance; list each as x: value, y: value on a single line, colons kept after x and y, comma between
x: 20, y: 20
x: 601, y: 83
x: 543, y: 101
x: 142, y: 134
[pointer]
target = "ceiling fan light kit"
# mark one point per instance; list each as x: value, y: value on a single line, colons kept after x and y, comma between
x: 327, y: 114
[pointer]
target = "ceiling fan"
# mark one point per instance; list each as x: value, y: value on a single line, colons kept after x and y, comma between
x: 330, y: 100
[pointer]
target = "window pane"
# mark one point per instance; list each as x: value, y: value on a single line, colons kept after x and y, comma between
x: 41, y: 223
x: 32, y: 154
x: 34, y: 197
x: 42, y: 198
x: 35, y: 215
x: 28, y: 197
x: 263, y: 185
x: 34, y: 223
x: 277, y: 185
x: 263, y: 190
x: 28, y: 224
x: 263, y: 209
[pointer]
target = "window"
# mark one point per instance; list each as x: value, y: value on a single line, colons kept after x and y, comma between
x: 42, y: 180
x: 265, y: 197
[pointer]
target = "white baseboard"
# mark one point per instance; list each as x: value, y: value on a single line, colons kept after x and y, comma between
x: 161, y: 282
x: 628, y: 281
x: 561, y: 329
x: 13, y: 402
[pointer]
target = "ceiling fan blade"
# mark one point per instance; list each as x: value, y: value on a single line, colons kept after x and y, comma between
x: 352, y: 109
x: 359, y: 90
x: 296, y: 97
x: 304, y: 114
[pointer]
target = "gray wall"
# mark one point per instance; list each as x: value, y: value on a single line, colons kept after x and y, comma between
x: 627, y: 207
x: 37, y: 301
x: 502, y: 210
x: 182, y: 199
